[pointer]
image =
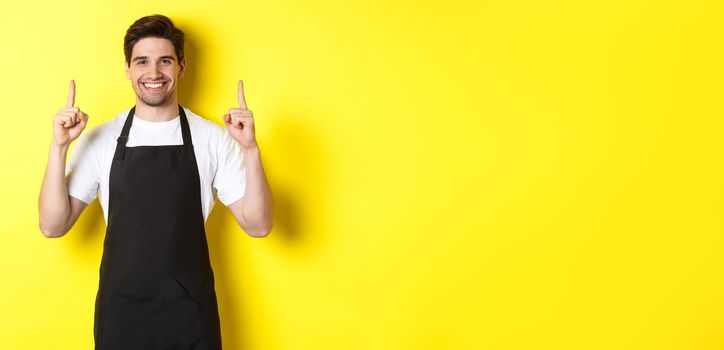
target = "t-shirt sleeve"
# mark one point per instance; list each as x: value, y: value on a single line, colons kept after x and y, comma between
x: 230, y: 177
x: 82, y: 173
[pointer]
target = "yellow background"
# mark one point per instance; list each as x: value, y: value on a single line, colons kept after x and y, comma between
x: 447, y: 175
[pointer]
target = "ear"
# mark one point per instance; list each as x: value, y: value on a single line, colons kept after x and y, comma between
x: 182, y: 67
x: 128, y: 70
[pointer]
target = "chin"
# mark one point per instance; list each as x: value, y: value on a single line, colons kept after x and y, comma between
x: 154, y: 102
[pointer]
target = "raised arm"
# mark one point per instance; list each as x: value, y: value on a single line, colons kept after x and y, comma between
x: 59, y: 211
x: 253, y: 212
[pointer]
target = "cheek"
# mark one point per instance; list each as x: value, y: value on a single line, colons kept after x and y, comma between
x: 172, y: 73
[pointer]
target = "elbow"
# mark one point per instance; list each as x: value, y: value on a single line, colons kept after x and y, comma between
x: 51, y: 233
x: 258, y: 228
x: 260, y: 232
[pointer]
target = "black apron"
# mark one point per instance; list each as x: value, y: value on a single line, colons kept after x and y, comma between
x: 156, y: 288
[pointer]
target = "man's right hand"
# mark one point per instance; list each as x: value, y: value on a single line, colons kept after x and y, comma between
x: 69, y: 121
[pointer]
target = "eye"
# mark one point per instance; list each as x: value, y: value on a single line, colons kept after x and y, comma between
x: 141, y: 62
x: 166, y: 60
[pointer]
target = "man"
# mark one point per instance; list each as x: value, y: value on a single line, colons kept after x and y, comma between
x: 155, y: 169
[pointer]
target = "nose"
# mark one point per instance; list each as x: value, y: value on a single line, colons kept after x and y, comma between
x: 154, y: 71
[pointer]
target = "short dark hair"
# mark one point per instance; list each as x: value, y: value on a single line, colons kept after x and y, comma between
x: 155, y: 26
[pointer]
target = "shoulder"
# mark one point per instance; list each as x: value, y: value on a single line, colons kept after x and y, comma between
x: 214, y: 138
x: 205, y: 131
x: 105, y: 132
x: 201, y: 124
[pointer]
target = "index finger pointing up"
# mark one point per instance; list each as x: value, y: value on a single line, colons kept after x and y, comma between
x: 71, y: 94
x: 242, y: 101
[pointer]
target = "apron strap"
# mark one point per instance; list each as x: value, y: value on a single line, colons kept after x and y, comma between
x: 123, y: 139
x: 185, y: 129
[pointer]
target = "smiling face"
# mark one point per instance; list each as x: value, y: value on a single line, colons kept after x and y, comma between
x: 154, y: 71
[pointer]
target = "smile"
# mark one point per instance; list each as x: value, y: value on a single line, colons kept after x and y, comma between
x: 154, y: 86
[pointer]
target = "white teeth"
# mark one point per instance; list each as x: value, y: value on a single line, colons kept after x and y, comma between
x: 153, y: 86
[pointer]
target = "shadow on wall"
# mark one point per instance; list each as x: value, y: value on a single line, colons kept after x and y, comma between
x: 300, y: 190
x: 194, y: 60
x: 297, y: 166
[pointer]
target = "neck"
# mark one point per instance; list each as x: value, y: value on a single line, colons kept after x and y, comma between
x: 161, y: 113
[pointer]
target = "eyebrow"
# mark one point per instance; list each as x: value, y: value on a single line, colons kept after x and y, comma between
x: 146, y: 57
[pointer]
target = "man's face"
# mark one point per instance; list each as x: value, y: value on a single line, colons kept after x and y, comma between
x: 154, y: 71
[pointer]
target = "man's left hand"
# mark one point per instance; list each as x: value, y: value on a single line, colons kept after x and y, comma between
x: 240, y: 122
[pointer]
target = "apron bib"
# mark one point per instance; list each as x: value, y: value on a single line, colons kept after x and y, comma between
x: 156, y: 288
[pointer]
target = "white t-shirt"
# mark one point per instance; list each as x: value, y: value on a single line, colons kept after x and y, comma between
x: 219, y: 157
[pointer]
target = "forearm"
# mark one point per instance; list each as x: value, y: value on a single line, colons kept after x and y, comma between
x: 53, y: 204
x: 258, y: 206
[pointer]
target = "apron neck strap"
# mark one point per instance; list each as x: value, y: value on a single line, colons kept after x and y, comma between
x: 185, y: 129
